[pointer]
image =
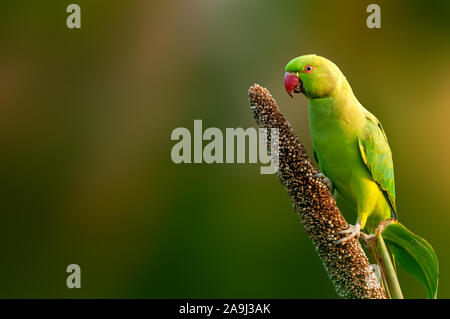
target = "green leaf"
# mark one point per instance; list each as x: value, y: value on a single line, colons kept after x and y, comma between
x: 414, y: 254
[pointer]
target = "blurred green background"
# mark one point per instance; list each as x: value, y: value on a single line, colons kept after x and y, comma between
x: 85, y: 125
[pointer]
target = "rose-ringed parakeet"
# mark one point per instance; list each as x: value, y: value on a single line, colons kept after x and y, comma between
x: 349, y: 142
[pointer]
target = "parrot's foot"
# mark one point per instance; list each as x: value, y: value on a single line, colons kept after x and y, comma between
x: 350, y: 232
x: 367, y: 238
x: 328, y: 182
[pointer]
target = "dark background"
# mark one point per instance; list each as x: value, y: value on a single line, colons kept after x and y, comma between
x: 85, y: 123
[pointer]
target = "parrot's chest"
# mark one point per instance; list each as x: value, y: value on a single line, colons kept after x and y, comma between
x: 336, y: 148
x: 335, y: 142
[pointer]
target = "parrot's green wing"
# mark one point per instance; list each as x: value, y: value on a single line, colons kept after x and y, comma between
x: 377, y: 156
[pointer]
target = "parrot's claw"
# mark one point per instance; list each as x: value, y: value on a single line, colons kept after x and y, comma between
x: 367, y: 238
x: 350, y: 232
x: 328, y: 182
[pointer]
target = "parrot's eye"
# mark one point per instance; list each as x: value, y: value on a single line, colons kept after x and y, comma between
x: 308, y: 68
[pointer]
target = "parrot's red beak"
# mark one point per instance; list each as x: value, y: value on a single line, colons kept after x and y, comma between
x: 292, y: 83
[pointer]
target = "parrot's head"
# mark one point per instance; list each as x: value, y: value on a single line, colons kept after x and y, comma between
x: 312, y: 75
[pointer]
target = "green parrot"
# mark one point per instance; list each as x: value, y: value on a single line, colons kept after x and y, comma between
x: 350, y: 145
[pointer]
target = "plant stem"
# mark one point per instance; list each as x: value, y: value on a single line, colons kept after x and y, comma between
x: 391, y: 276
